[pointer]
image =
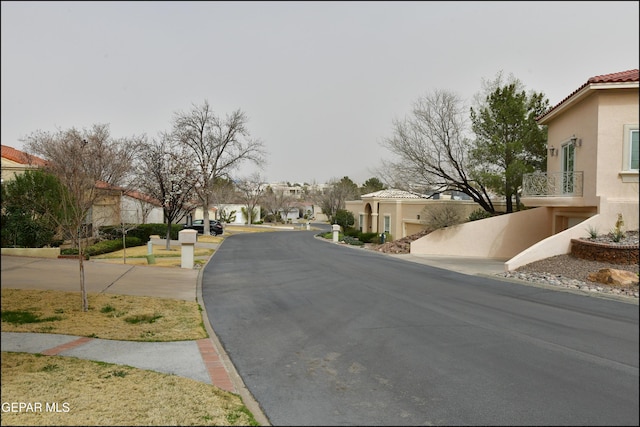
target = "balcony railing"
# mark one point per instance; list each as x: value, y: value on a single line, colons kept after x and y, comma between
x: 552, y: 184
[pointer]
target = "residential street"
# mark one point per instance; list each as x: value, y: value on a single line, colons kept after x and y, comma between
x: 323, y: 334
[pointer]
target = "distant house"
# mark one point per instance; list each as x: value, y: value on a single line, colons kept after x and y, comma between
x: 592, y: 176
x: 15, y: 162
x: 114, y: 205
x: 118, y: 205
x: 403, y: 213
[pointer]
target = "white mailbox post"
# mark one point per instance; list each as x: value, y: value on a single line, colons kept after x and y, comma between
x: 187, y: 239
x: 336, y: 232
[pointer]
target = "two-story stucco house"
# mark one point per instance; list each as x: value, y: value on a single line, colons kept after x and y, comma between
x: 592, y: 176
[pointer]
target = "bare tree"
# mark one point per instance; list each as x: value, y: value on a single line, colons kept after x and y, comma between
x: 276, y: 201
x: 218, y: 147
x: 333, y: 197
x: 223, y: 191
x: 432, y: 150
x: 82, y: 159
x: 251, y: 189
x: 164, y: 173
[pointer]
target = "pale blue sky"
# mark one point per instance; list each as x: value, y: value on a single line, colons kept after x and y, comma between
x: 321, y: 82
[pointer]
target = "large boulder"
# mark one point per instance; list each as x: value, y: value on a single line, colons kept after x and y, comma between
x: 611, y: 276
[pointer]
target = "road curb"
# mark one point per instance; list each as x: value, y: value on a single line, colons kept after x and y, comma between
x: 241, y: 389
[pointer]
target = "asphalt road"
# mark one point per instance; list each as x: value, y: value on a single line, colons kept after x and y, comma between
x: 323, y: 334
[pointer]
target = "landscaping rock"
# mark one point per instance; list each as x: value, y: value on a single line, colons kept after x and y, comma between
x: 611, y: 276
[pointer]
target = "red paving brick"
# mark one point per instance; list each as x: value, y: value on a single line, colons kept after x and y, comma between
x: 217, y: 372
x: 68, y: 346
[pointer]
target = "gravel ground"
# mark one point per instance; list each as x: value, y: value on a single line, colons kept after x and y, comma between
x: 562, y: 270
x: 571, y: 272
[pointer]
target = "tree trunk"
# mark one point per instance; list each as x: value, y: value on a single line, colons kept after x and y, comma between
x: 205, y: 213
x: 83, y: 289
x: 168, y: 236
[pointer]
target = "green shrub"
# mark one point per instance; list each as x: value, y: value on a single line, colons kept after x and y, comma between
x: 141, y: 231
x: 107, y: 246
x: 344, y: 218
x: 387, y: 238
x: 352, y: 241
x: 367, y: 237
x: 104, y: 246
x: 479, y: 214
x: 353, y: 232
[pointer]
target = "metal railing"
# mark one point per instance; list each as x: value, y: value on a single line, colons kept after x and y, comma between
x: 552, y: 184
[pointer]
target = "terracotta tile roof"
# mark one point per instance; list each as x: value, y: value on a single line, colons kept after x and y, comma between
x: 620, y: 77
x: 21, y: 157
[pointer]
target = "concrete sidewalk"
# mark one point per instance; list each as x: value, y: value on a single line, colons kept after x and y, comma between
x: 464, y: 265
x: 100, y: 277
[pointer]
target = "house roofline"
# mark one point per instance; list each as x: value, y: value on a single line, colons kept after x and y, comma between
x: 623, y: 80
x: 580, y: 95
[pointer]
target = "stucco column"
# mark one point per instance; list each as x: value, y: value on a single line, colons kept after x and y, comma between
x: 336, y: 232
x: 187, y: 239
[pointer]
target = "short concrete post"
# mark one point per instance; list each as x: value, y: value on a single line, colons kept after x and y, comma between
x: 308, y: 226
x: 336, y: 232
x: 149, y: 248
x: 187, y: 239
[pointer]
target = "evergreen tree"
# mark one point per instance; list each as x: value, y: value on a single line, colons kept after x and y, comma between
x: 509, y: 142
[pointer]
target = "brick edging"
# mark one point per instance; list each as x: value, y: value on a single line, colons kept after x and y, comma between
x: 604, y: 252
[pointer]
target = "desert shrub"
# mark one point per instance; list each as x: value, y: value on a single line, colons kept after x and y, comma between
x: 442, y: 216
x: 479, y: 214
x: 350, y: 240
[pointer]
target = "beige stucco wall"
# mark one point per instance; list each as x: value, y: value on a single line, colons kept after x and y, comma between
x: 11, y: 168
x: 407, y: 216
x: 581, y: 121
x: 500, y: 237
x: 617, y: 109
x: 557, y: 244
x: 599, y: 120
x: 32, y: 252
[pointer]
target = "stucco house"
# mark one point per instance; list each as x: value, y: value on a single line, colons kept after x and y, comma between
x: 592, y: 176
x: 401, y: 213
x: 114, y: 205
x: 15, y: 162
x: 117, y: 205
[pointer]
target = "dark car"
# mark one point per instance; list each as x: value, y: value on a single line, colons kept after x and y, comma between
x: 215, y: 226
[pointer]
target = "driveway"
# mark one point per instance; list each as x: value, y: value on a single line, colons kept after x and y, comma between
x: 323, y: 334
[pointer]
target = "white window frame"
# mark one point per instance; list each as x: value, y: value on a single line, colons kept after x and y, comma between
x: 387, y: 224
x: 627, y: 174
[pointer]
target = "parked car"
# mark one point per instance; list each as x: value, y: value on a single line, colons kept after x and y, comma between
x: 215, y: 226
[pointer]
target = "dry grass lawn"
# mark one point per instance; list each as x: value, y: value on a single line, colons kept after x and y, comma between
x: 110, y: 316
x: 88, y: 393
